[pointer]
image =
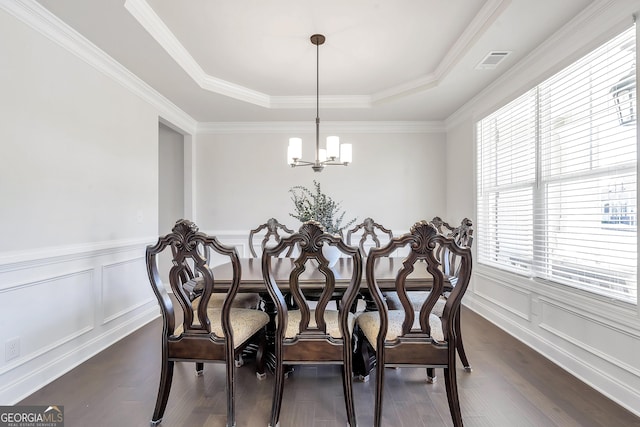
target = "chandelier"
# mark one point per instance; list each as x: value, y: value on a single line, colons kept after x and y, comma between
x: 334, y: 153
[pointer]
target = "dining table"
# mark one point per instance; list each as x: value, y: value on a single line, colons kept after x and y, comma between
x: 311, y: 279
x: 385, y: 272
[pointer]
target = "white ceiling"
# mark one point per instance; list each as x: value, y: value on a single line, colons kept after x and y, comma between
x: 252, y: 61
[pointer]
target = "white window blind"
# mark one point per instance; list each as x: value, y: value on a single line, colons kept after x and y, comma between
x: 557, y: 177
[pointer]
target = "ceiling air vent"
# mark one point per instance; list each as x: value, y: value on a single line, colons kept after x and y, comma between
x: 492, y: 60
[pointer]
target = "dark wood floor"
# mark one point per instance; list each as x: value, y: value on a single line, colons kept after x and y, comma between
x: 510, y: 386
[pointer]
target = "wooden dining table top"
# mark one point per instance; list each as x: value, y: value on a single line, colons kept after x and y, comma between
x: 385, y: 272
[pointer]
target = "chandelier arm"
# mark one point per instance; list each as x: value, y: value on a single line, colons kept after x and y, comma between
x: 299, y: 162
x: 330, y: 163
x: 317, y: 165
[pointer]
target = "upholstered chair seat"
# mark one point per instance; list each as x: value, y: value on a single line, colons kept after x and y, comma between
x: 330, y: 317
x: 369, y: 323
x: 245, y: 323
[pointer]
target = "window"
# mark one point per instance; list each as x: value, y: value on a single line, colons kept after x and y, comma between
x: 557, y: 177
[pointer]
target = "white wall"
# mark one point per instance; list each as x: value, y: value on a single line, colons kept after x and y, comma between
x: 76, y: 156
x: 243, y: 179
x: 79, y: 194
x: 596, y: 339
x: 460, y: 172
x: 170, y: 178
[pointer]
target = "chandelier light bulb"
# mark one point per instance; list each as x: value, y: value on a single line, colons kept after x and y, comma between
x: 294, y: 152
x: 333, y: 147
x: 346, y: 153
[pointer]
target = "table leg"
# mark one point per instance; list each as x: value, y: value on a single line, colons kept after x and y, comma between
x: 364, y: 358
x: 270, y: 336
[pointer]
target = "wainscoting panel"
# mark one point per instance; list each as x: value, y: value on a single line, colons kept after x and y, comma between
x: 591, y: 335
x: 496, y: 293
x: 62, y: 314
x: 125, y: 287
x: 63, y: 305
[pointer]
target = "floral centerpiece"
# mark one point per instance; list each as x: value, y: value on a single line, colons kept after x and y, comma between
x: 315, y: 205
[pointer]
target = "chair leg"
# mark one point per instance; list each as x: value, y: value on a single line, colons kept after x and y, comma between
x: 231, y: 384
x: 199, y: 369
x: 347, y: 384
x: 260, y: 357
x: 431, y: 375
x: 452, y: 394
x: 238, y: 361
x: 166, y: 377
x: 278, y: 388
x: 377, y: 417
x: 460, y: 345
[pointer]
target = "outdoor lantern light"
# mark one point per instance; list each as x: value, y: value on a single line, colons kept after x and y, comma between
x: 624, y: 96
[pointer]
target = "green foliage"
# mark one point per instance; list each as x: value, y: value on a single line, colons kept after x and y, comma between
x: 315, y: 205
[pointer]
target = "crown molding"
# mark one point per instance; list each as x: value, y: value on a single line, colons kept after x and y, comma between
x: 150, y: 21
x: 40, y: 19
x: 614, y: 13
x: 329, y: 101
x: 235, y: 91
x: 399, y: 127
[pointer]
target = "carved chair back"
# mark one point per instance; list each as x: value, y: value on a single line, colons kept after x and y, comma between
x: 190, y: 249
x: 462, y: 235
x: 273, y: 230
x: 369, y: 228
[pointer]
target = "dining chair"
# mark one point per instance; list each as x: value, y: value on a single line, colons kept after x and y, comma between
x: 367, y: 234
x: 241, y: 300
x: 410, y: 338
x: 463, y: 236
x: 192, y: 329
x: 368, y: 231
x: 272, y: 234
x: 308, y: 335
